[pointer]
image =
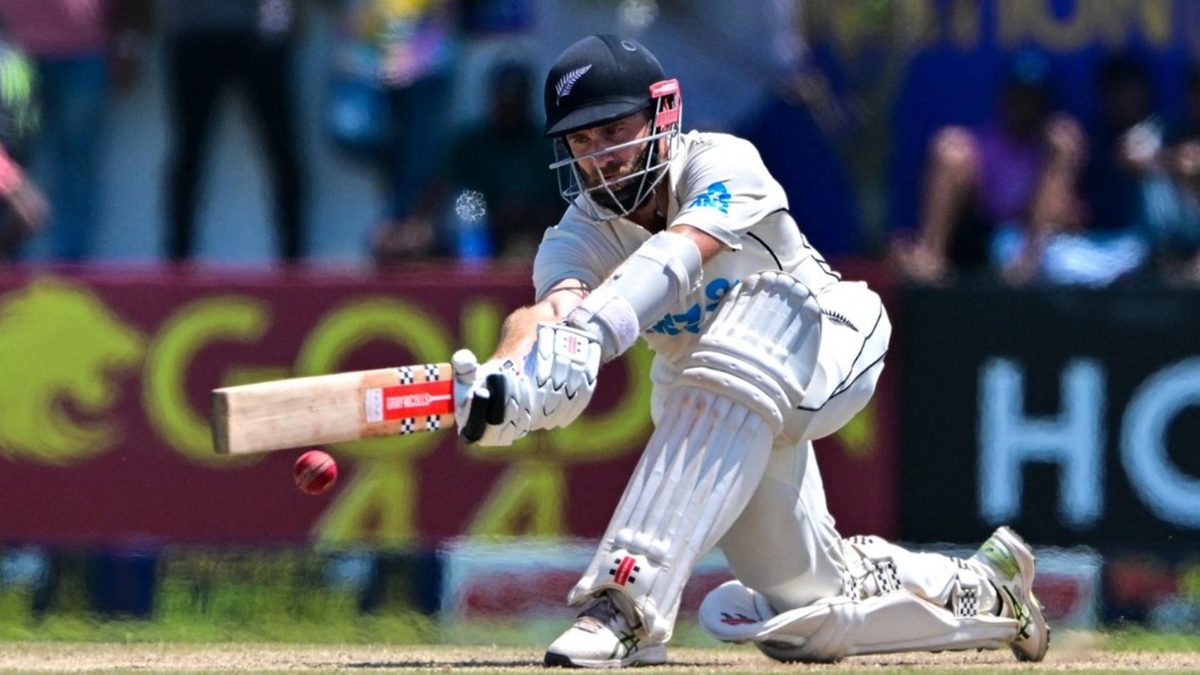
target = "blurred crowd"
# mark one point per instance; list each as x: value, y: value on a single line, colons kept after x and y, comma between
x: 59, y: 61
x: 1034, y: 194
x: 1031, y: 196
x: 479, y: 190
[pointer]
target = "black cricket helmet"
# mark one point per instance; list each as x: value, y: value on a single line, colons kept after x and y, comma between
x: 597, y: 80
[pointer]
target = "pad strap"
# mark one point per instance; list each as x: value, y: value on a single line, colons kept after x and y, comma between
x: 659, y: 275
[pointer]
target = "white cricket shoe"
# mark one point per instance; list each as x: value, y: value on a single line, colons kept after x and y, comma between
x: 602, y: 637
x: 1011, y: 562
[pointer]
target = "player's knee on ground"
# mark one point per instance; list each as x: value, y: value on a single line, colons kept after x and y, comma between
x: 840, y: 626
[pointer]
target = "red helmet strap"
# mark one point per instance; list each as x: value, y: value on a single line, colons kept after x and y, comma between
x: 665, y: 94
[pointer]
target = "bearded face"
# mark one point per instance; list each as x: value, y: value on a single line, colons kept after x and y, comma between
x: 620, y: 187
x: 616, y: 166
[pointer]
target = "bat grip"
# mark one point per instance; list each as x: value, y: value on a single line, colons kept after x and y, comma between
x: 485, y: 411
x: 473, y: 429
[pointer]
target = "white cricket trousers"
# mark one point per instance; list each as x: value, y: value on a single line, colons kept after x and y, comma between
x: 785, y: 544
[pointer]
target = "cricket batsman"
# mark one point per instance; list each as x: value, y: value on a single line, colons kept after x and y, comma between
x: 684, y: 239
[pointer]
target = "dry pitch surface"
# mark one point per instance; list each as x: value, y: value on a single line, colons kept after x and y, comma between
x: 176, y: 658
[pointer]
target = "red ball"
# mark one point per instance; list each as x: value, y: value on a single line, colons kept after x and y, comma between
x: 315, y: 472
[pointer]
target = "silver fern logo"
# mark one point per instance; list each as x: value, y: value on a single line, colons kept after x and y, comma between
x: 567, y: 82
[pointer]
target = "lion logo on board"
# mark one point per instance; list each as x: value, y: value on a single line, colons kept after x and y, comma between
x: 60, y: 350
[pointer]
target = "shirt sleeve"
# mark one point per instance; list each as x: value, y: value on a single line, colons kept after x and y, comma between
x: 563, y: 254
x: 725, y: 189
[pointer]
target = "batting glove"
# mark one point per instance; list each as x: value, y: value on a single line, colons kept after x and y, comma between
x: 496, y: 403
x: 565, y: 362
x: 491, y: 401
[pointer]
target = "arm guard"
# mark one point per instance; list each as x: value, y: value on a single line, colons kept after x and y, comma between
x: 658, y: 276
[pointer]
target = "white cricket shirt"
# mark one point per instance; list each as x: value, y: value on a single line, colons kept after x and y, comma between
x: 718, y: 184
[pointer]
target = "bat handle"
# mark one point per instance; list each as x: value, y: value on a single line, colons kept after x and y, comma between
x: 476, y: 422
x: 464, y: 364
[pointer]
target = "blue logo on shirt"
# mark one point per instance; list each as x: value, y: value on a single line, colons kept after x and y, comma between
x: 716, y: 196
x: 689, y: 321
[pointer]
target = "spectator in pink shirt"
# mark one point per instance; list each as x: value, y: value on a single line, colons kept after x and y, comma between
x: 24, y: 208
x: 80, y: 48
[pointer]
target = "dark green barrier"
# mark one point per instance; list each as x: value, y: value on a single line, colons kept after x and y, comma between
x: 1070, y: 414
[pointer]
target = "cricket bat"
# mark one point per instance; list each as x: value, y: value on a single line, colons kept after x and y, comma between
x: 332, y: 408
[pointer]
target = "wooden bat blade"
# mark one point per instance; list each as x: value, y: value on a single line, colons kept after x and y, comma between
x: 334, y: 408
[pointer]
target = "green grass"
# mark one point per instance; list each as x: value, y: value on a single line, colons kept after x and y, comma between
x: 1140, y: 639
x: 202, y: 630
x: 270, y: 596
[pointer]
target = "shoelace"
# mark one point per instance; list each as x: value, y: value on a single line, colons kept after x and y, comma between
x: 603, y: 610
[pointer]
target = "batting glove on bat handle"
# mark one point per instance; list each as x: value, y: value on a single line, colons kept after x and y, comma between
x: 476, y: 406
x: 470, y: 417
